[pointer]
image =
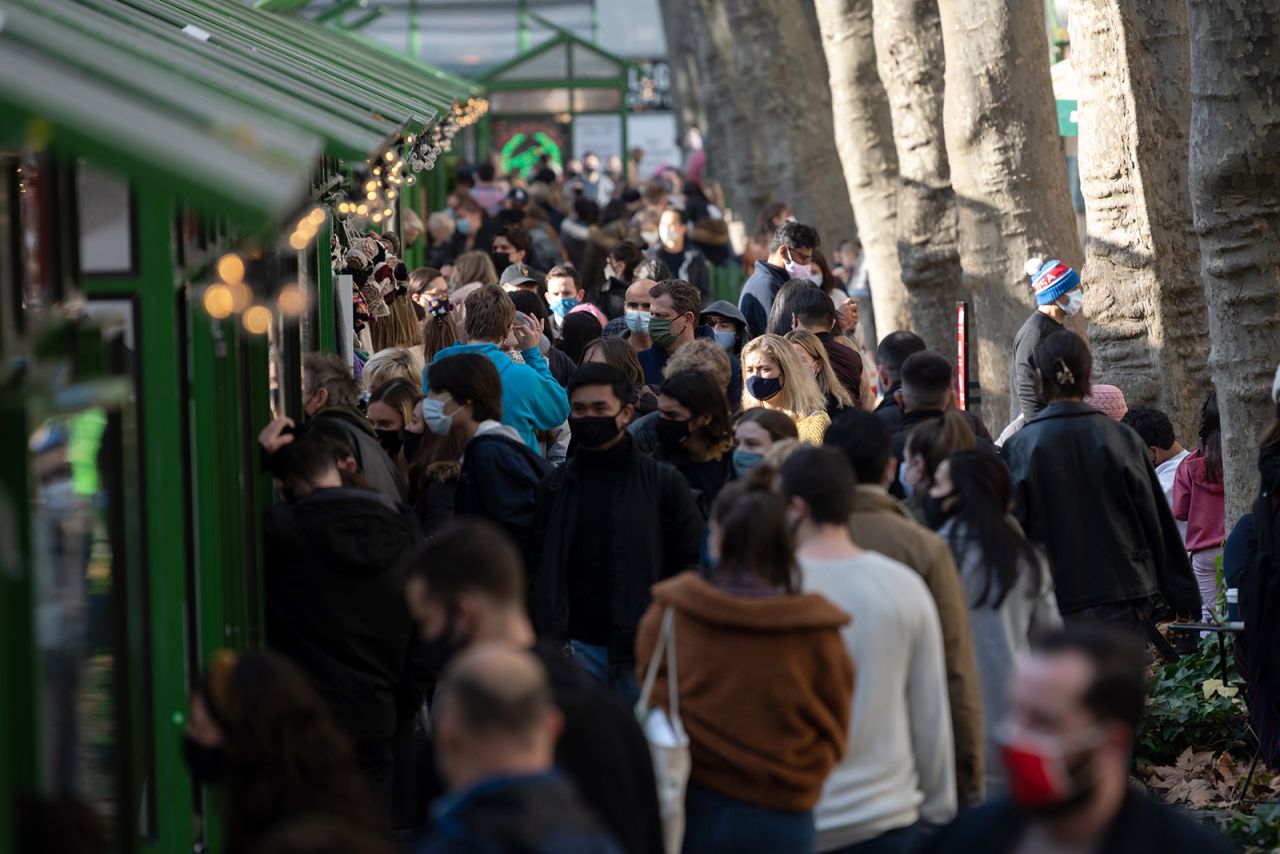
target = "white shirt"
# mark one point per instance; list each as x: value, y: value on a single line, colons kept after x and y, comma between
x: 900, y: 764
x: 1167, y: 471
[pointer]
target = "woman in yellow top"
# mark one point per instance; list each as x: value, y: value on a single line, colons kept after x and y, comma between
x: 774, y: 378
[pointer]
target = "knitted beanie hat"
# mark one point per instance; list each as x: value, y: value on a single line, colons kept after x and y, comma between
x: 1108, y: 400
x: 1051, y: 280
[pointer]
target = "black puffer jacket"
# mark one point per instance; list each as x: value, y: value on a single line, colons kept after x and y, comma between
x: 1086, y: 490
x: 663, y: 537
x: 335, y: 604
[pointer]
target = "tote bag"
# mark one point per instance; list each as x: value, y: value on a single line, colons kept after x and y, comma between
x: 668, y: 742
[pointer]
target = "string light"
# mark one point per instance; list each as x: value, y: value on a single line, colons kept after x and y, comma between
x: 257, y: 320
x: 218, y: 302
x: 292, y: 300
x: 241, y: 296
x: 231, y: 268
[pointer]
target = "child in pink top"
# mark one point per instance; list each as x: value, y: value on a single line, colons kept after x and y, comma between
x: 1198, y: 501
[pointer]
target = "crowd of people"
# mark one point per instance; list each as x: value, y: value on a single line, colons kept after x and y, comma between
x: 849, y: 619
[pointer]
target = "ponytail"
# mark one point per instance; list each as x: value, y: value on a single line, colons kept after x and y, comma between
x: 935, y: 440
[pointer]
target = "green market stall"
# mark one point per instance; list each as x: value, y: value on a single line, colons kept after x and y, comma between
x: 171, y: 175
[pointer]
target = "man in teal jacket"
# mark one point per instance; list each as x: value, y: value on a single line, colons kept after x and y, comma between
x: 532, y: 400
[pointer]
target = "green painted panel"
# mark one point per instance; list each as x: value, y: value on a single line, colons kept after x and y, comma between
x: 1067, y: 123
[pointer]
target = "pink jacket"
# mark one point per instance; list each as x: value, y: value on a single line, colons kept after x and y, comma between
x: 1199, y: 503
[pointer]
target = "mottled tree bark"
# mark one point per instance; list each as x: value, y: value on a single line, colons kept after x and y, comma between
x: 909, y: 54
x: 768, y: 129
x: 1235, y: 192
x: 864, y: 138
x: 682, y: 58
x: 1143, y: 297
x: 1007, y: 169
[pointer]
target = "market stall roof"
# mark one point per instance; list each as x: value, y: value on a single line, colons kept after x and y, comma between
x: 350, y: 132
x: 58, y: 89
x: 561, y: 59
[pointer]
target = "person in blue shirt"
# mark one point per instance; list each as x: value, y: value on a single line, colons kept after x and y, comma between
x: 790, y: 256
x: 532, y: 400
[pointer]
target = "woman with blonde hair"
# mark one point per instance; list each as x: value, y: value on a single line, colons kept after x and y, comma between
x: 473, y: 267
x: 775, y: 378
x: 813, y: 355
x: 390, y: 364
x: 391, y: 406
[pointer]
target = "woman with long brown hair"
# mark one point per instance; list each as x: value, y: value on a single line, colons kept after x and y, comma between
x: 261, y: 733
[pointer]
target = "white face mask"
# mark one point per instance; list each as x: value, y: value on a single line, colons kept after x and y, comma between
x: 1075, y: 302
x: 649, y: 237
x: 668, y: 234
x: 796, y: 270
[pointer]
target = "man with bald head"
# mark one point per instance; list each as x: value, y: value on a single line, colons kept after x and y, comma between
x: 496, y: 729
x: 637, y: 314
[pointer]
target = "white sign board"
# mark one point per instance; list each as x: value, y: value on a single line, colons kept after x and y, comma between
x: 655, y: 133
x: 599, y: 134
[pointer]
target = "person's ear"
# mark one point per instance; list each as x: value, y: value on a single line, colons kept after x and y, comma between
x: 698, y: 422
x: 951, y: 399
x: 554, y: 724
x: 348, y: 464
x: 882, y: 374
x: 628, y: 412
x: 795, y: 321
x: 899, y: 399
x: 321, y: 395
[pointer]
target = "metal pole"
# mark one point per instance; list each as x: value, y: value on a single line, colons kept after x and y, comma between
x: 415, y: 34
x: 522, y: 25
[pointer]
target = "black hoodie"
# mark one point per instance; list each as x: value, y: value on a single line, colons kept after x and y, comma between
x: 335, y: 603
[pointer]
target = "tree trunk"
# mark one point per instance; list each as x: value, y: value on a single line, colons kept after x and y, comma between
x: 1008, y: 171
x: 1143, y: 297
x: 1235, y: 192
x: 908, y: 50
x: 682, y: 59
x: 864, y: 138
x: 769, y: 132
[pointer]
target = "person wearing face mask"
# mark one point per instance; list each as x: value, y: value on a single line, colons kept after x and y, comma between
x: 468, y: 586
x: 1006, y: 579
x: 727, y: 325
x: 636, y: 316
x: 511, y: 245
x: 591, y: 578
x: 775, y: 379
x: 1058, y: 296
x: 564, y: 293
x: 1075, y: 706
x: 473, y: 229
x: 790, y: 257
x: 899, y: 772
x: 755, y: 432
x: 332, y: 595
x: 685, y: 262
x: 390, y: 412
x: 500, y: 474
x: 232, y: 741
x: 619, y: 273
x: 926, y: 447
x: 1073, y: 456
x: 694, y: 433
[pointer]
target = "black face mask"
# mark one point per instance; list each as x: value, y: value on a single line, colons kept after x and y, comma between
x: 672, y: 434
x: 501, y: 260
x: 934, y: 514
x: 207, y: 764
x: 435, y: 654
x: 410, y: 440
x: 592, y: 431
x: 390, y: 441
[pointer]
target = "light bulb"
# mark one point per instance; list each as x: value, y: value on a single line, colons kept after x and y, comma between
x: 409, y: 139
x: 377, y: 170
x: 257, y: 320
x: 298, y: 241
x: 218, y: 302
x: 316, y: 217
x: 391, y: 194
x: 292, y: 300
x: 371, y: 196
x: 231, y: 268
x: 389, y: 156
x: 372, y: 185
x: 387, y: 213
x: 362, y: 209
x: 241, y: 296
x: 376, y: 217
x: 410, y: 180
x: 343, y: 207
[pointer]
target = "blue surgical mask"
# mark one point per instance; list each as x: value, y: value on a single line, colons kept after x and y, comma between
x: 433, y: 415
x: 744, y: 461
x: 638, y: 322
x: 816, y: 278
x: 560, y: 306
x: 464, y: 226
x: 726, y: 339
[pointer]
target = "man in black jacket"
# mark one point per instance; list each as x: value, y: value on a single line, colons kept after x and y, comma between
x: 467, y: 586
x: 334, y: 603
x: 892, y: 352
x: 330, y: 394
x: 612, y: 522
x: 1075, y: 707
